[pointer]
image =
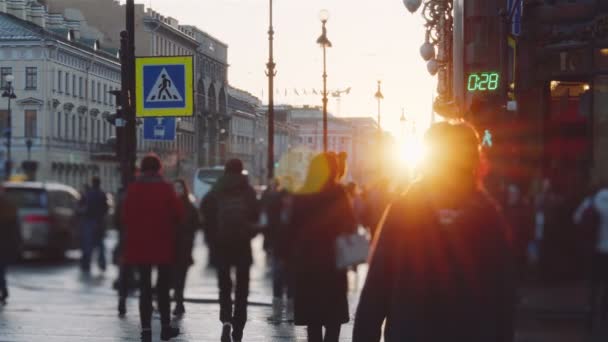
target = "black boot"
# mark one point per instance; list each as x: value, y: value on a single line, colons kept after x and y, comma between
x: 179, y: 310
x: 146, y: 335
x: 168, y: 332
x: 122, y: 307
x: 226, y: 329
x: 3, y: 296
x: 237, y: 334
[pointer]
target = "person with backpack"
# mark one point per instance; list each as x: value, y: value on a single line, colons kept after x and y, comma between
x: 10, y: 240
x: 231, y: 211
x: 151, y: 215
x: 95, y: 209
x: 442, y: 264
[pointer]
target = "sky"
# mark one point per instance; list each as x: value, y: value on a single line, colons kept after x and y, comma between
x: 372, y: 40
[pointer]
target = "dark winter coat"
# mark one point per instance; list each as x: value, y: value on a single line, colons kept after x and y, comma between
x: 235, y: 252
x: 186, y: 234
x: 321, y: 289
x: 437, y: 281
x: 10, y: 232
x: 274, y: 234
x: 151, y: 215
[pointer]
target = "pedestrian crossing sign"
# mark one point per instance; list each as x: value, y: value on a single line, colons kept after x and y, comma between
x: 164, y: 86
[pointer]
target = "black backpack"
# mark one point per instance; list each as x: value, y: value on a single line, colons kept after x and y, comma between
x: 233, y: 217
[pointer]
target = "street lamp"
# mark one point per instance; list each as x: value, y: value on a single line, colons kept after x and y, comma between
x: 325, y: 43
x: 9, y: 93
x: 379, y: 97
x: 271, y: 73
x: 437, y: 48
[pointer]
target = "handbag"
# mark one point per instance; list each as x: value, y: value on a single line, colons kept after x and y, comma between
x: 351, y: 250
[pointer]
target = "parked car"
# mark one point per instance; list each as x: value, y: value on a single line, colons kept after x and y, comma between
x: 48, y: 214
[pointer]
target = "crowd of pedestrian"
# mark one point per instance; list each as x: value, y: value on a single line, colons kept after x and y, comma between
x: 444, y: 252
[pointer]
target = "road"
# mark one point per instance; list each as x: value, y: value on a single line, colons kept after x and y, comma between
x: 53, y: 302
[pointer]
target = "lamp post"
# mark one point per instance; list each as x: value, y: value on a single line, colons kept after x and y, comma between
x: 271, y: 73
x: 325, y: 43
x: 9, y: 93
x: 379, y: 97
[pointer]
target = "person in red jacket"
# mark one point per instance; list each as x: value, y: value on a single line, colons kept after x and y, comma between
x: 152, y: 213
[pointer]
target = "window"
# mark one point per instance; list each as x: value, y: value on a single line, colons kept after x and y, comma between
x: 98, y: 131
x: 74, y: 86
x: 31, y: 128
x: 80, y: 128
x: 105, y: 94
x: 58, y: 124
x: 92, y: 130
x: 31, y: 78
x: 3, y: 119
x: 67, y: 83
x: 60, y: 81
x: 93, y: 91
x: 3, y: 73
x: 80, y: 87
x: 73, y: 127
x: 67, y: 126
x: 98, y: 91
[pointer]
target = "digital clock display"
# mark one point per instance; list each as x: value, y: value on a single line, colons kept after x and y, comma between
x: 483, y: 81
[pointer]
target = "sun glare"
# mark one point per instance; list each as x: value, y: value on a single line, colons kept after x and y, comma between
x: 410, y: 152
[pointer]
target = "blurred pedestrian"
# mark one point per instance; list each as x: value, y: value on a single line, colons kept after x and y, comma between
x: 152, y: 213
x: 320, y: 214
x: 185, y: 243
x: 592, y: 218
x: 231, y: 210
x: 442, y: 267
x: 92, y: 233
x: 275, y: 236
x: 10, y: 240
x: 520, y: 219
x: 126, y: 274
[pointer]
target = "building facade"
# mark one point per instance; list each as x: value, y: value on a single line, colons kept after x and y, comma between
x: 200, y: 141
x: 62, y: 83
x: 562, y: 90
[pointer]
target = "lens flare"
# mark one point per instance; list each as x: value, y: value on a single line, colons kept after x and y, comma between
x: 410, y: 152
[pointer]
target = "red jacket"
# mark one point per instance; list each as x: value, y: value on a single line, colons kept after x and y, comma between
x: 151, y: 216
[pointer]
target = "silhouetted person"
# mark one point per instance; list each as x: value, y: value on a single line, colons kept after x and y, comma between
x: 92, y: 234
x: 320, y: 213
x: 164, y: 88
x: 152, y: 213
x: 185, y: 243
x: 230, y: 210
x: 442, y: 266
x: 10, y: 240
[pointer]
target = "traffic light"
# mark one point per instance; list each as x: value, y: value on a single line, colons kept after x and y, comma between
x: 117, y: 119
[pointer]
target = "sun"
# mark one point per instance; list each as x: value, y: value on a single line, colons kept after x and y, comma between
x: 410, y: 152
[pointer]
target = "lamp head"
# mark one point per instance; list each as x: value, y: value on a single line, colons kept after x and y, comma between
x: 9, y: 78
x: 427, y: 51
x: 324, y: 16
x: 412, y: 5
x: 433, y: 67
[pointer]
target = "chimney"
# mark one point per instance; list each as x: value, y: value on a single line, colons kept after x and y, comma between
x: 55, y: 21
x: 74, y: 27
x: 2, y: 6
x: 37, y: 15
x: 17, y: 8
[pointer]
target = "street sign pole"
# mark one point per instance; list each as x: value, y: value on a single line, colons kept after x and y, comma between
x: 127, y: 137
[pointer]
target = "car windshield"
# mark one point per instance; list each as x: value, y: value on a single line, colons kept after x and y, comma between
x: 27, y: 198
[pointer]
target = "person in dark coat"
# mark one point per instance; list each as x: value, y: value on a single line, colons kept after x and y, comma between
x: 231, y: 210
x: 320, y: 213
x: 93, y: 227
x: 152, y: 214
x: 442, y: 265
x: 10, y: 241
x: 185, y: 243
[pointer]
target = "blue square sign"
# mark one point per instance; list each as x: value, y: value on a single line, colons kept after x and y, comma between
x: 161, y: 129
